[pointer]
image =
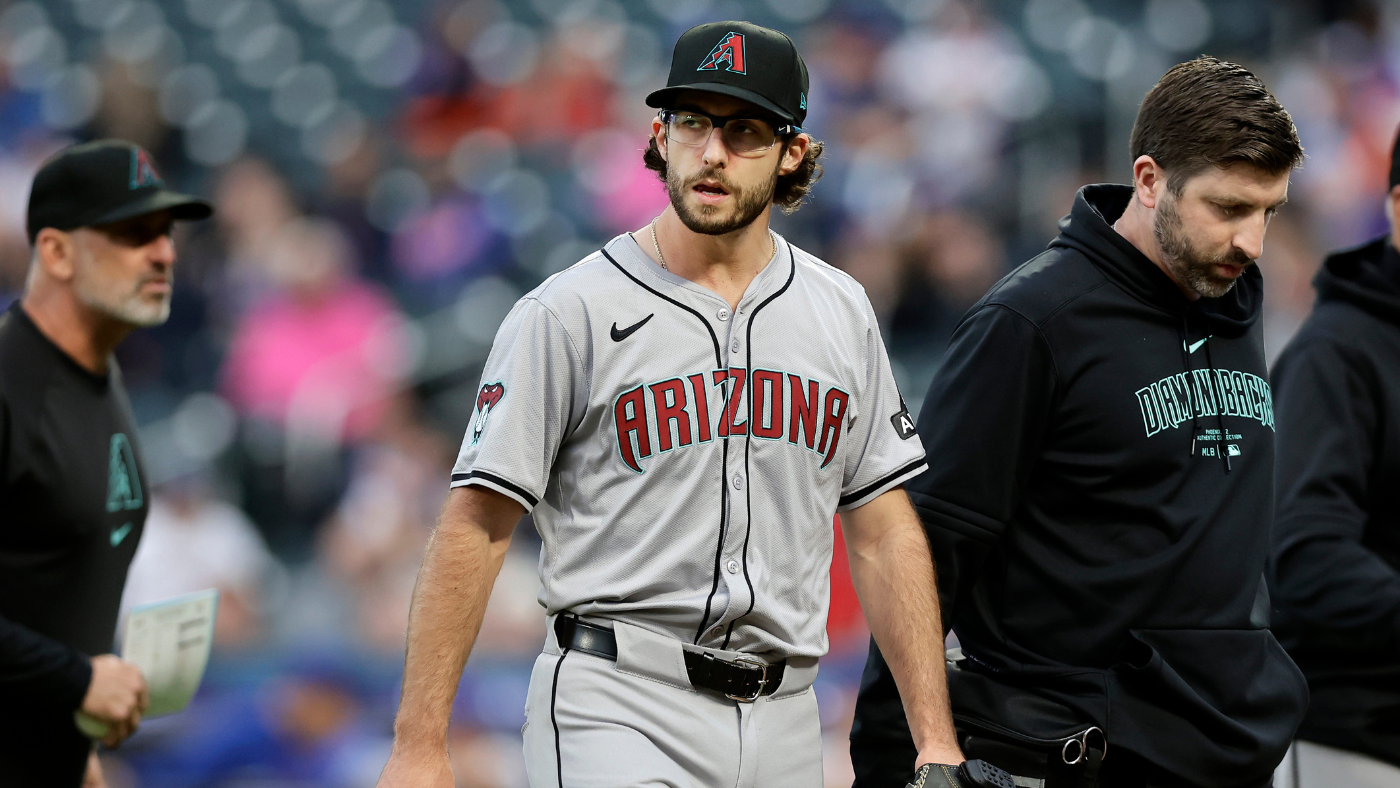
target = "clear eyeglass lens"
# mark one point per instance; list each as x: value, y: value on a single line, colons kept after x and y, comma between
x: 741, y: 135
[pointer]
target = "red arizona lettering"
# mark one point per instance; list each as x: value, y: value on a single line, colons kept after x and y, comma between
x: 702, y: 405
x: 635, y: 422
x: 735, y: 393
x: 804, y: 411
x: 669, y: 411
x: 767, y: 386
x: 833, y: 418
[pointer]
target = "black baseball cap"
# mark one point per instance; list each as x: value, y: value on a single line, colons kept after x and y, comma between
x: 101, y: 182
x: 742, y: 60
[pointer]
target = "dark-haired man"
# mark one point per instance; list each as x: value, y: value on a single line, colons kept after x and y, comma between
x: 72, y: 488
x: 684, y: 411
x: 1336, y: 576
x: 1100, y: 484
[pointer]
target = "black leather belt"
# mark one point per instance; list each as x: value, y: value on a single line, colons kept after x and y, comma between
x: 746, y: 679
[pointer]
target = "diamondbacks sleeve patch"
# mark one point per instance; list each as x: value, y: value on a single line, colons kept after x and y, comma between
x: 486, y: 401
x: 903, y: 422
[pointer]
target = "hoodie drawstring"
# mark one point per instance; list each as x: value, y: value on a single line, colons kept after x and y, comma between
x: 1223, y: 448
x: 1190, y: 385
x: 1219, y: 417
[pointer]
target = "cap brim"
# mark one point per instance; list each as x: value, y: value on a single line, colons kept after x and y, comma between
x: 663, y: 98
x: 181, y: 206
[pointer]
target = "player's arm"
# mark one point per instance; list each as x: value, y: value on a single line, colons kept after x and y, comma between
x: 460, y: 567
x: 893, y: 576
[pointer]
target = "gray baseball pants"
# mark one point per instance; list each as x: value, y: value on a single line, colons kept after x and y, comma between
x: 1312, y: 765
x: 639, y: 723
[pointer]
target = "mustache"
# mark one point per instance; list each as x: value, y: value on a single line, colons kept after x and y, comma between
x: 1233, y: 257
x: 711, y: 173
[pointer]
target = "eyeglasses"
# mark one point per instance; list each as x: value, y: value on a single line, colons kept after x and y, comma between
x: 743, y: 136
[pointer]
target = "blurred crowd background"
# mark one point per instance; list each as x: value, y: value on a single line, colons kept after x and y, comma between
x: 391, y: 176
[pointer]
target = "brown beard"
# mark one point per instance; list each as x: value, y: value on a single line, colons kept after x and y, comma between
x: 1189, y: 266
x: 748, y: 203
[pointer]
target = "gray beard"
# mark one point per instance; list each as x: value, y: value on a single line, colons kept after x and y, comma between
x: 1189, y: 266
x: 748, y: 204
x: 131, y: 309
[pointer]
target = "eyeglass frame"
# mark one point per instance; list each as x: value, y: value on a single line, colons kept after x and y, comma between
x: 783, y: 131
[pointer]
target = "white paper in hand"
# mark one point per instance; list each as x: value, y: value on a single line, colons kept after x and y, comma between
x: 169, y: 641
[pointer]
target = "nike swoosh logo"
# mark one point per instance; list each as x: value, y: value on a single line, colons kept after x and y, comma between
x: 619, y: 335
x: 118, y: 534
x: 1194, y: 346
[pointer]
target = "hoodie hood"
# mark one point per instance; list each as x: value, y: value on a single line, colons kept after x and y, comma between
x: 1367, y: 276
x: 1088, y: 229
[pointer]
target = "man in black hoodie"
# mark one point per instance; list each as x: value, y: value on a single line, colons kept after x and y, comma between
x: 1337, y: 537
x: 1099, y: 490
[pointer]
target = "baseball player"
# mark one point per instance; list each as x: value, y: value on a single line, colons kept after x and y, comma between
x: 682, y: 412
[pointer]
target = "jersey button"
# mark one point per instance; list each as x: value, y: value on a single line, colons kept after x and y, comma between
x: 734, y: 346
x: 722, y: 314
x: 732, y: 566
x: 716, y: 632
x: 738, y: 482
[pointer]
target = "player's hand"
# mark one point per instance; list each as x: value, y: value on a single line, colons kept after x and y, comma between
x: 422, y: 770
x: 116, y: 696
x: 935, y: 775
x: 93, y: 778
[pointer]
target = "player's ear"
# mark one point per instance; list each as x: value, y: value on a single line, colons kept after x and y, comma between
x: 56, y: 251
x: 658, y: 133
x: 793, y: 153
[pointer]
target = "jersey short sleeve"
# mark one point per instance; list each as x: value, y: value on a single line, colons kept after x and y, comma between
x: 884, y: 447
x: 531, y: 388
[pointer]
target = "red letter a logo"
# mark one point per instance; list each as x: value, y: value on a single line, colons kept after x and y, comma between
x: 729, y: 50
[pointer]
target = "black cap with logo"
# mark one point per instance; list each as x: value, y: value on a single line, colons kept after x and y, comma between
x: 102, y: 182
x: 742, y: 60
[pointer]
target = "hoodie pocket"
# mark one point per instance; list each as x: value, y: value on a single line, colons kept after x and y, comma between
x: 1220, y: 702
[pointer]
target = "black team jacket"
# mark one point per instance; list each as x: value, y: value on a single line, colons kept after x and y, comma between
x: 1337, y: 537
x: 1098, y: 501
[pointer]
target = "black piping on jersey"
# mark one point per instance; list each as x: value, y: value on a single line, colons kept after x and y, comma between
x: 748, y: 435
x: 553, y: 696
x: 875, y: 485
x: 724, y: 455
x: 494, y: 479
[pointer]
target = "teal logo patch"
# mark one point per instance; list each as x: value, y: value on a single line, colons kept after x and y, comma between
x: 118, y: 534
x: 801, y: 100
x: 123, y: 483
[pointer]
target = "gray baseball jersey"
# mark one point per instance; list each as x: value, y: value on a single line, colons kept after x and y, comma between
x: 682, y: 462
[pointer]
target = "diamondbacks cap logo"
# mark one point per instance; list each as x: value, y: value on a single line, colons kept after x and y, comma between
x: 143, y: 170
x: 123, y: 482
x: 730, y: 51
x: 486, y: 399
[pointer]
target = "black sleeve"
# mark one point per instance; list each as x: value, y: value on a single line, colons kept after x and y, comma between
x: 1327, y: 420
x: 981, y: 425
x: 35, y: 668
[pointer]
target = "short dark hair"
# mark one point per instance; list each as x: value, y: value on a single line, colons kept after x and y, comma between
x: 790, y: 189
x: 1211, y: 113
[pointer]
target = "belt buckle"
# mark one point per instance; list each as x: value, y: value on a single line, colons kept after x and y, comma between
x: 762, y: 680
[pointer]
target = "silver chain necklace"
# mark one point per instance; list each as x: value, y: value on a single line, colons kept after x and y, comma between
x: 662, y: 258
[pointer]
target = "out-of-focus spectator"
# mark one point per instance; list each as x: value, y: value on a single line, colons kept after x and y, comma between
x: 194, y: 541
x: 310, y: 368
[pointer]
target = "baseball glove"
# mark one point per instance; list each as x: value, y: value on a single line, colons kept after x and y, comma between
x: 970, y: 774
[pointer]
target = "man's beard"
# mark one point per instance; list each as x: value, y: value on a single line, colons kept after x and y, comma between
x: 708, y: 219
x: 131, y: 308
x: 1190, y: 267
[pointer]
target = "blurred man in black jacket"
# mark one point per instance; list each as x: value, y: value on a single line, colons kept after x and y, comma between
x: 1336, y: 579
x: 72, y: 488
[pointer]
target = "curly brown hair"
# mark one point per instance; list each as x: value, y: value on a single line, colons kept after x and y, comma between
x: 790, y: 190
